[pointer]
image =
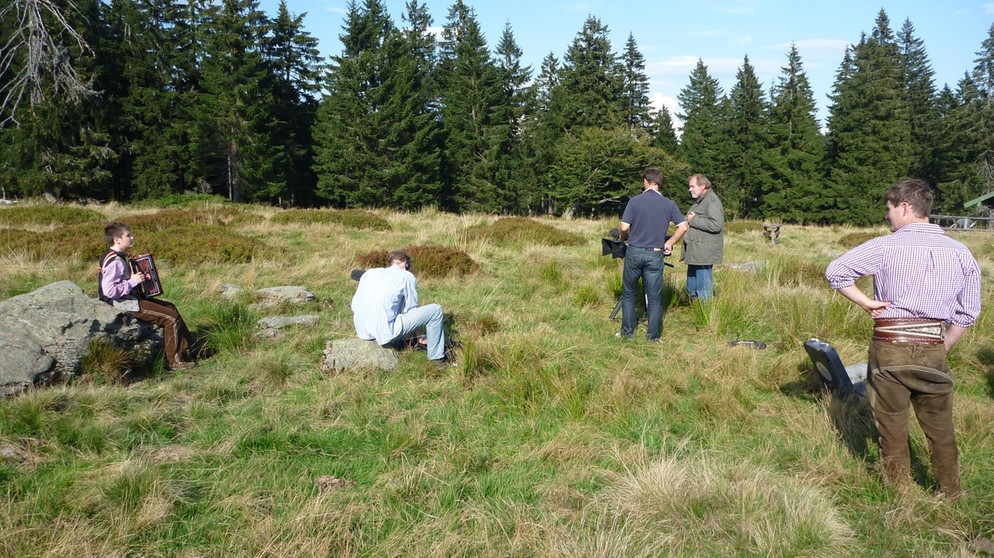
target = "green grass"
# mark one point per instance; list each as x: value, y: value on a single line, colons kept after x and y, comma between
x: 550, y: 438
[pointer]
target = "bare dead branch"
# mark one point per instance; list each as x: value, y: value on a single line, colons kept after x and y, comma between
x: 33, y: 53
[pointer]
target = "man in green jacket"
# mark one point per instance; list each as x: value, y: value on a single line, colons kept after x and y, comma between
x: 704, y: 243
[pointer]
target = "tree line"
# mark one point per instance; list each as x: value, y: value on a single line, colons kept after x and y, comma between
x: 173, y: 96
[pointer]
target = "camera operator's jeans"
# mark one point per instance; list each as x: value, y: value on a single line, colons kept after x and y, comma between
x: 429, y: 316
x: 905, y: 375
x: 645, y: 264
x: 700, y: 281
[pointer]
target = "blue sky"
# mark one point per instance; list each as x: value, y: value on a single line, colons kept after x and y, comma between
x: 672, y: 36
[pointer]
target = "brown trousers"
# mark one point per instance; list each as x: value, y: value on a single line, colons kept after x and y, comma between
x: 165, y: 315
x: 902, y: 375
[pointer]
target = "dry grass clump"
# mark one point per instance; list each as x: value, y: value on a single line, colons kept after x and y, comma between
x: 197, y: 244
x: 176, y: 237
x: 853, y: 240
x: 791, y: 272
x: 34, y: 216
x: 525, y: 231
x: 430, y: 260
x: 701, y: 506
x: 348, y: 218
x: 740, y: 227
x: 62, y: 243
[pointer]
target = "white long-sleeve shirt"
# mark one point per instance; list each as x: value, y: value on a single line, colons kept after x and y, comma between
x: 383, y: 294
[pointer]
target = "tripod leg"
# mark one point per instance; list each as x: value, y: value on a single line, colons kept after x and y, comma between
x: 617, y: 308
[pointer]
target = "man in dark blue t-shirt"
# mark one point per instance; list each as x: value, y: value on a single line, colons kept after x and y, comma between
x: 644, y: 223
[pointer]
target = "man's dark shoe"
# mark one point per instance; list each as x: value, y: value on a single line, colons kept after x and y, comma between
x: 442, y: 363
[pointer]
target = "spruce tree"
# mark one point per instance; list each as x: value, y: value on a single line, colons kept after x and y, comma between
x: 58, y: 143
x: 919, y: 87
x: 983, y: 74
x: 348, y: 131
x: 703, y: 125
x: 541, y: 133
x: 662, y: 131
x: 590, y: 83
x: 235, y: 126
x: 957, y: 147
x: 793, y: 192
x: 746, y: 170
x: 472, y: 93
x: 411, y: 148
x: 294, y: 65
x: 516, y: 174
x: 151, y: 88
x: 635, y: 108
x: 869, y: 127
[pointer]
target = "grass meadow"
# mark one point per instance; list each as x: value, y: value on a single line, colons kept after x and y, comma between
x: 551, y: 437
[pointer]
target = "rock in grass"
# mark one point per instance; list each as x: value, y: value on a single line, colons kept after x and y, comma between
x: 355, y: 354
x: 47, y: 332
x: 291, y: 294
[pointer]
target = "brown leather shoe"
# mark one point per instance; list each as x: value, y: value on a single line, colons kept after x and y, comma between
x: 182, y: 365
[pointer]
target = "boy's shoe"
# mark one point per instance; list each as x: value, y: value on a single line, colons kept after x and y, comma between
x: 182, y: 365
x: 197, y: 350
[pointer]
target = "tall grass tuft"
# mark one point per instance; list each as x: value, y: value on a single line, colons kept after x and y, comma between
x: 104, y: 363
x: 229, y: 327
x: 355, y: 219
x: 706, y: 506
x: 275, y: 371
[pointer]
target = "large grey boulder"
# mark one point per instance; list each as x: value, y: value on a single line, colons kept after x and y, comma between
x: 355, y: 354
x: 47, y: 332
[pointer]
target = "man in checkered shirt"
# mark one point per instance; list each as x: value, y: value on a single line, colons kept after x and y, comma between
x: 926, y: 289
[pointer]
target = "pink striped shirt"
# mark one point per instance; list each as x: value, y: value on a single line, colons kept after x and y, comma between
x: 920, y: 270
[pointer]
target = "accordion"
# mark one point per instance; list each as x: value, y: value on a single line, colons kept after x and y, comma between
x: 145, y: 264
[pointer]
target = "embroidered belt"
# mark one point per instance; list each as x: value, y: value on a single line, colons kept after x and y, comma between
x: 923, y: 331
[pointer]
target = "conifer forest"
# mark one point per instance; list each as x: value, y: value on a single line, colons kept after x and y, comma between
x: 131, y: 100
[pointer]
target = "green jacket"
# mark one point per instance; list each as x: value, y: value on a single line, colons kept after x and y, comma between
x: 704, y: 243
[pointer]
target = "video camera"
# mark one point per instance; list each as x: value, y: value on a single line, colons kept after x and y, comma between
x: 614, y: 245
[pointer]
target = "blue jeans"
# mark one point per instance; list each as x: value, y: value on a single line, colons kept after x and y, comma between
x: 429, y: 316
x: 645, y: 264
x: 700, y: 281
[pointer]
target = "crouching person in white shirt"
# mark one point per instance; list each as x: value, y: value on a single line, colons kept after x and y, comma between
x: 385, y: 308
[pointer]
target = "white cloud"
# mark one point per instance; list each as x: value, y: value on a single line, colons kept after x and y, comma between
x: 659, y: 101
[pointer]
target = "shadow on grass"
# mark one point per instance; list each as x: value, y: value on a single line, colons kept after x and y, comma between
x: 851, y: 416
x: 852, y: 420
